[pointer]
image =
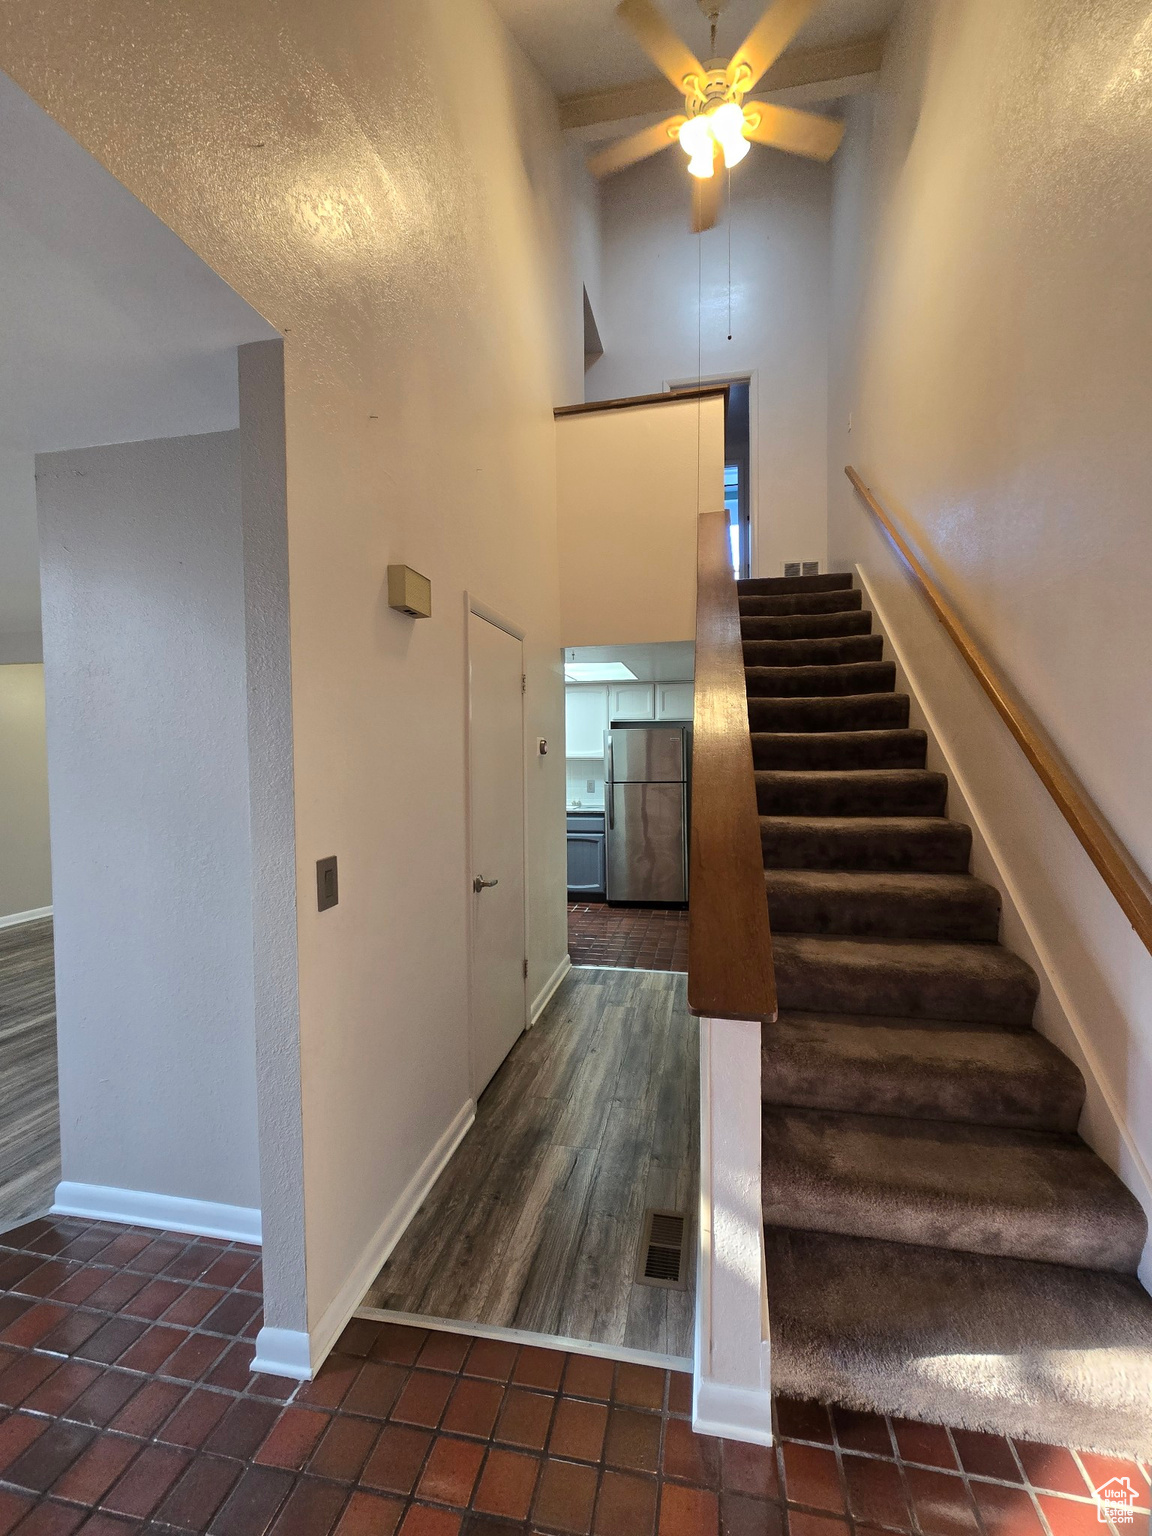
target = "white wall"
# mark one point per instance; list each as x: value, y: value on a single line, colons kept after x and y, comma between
x: 417, y: 255
x: 664, y: 318
x: 25, y: 864
x: 143, y: 606
x: 19, y: 560
x: 631, y: 485
x: 992, y: 271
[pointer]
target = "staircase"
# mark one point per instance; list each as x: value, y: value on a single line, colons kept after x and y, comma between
x: 940, y: 1242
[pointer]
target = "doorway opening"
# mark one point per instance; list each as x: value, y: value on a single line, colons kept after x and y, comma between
x: 123, y: 702
x: 737, y: 464
x: 737, y: 477
x: 628, y: 716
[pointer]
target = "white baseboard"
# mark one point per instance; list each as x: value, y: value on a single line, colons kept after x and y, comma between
x: 548, y: 990
x: 14, y: 919
x: 732, y: 1413
x: 170, y: 1213
x: 284, y: 1351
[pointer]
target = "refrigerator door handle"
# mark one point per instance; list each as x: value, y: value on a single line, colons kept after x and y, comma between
x: 609, y: 795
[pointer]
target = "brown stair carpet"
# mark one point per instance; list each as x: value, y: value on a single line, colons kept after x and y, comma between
x: 941, y: 1244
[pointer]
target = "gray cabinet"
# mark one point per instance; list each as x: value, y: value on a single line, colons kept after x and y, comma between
x: 586, y: 855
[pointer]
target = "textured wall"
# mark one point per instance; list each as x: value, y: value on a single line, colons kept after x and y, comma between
x: 663, y: 317
x: 25, y: 865
x: 386, y: 184
x: 631, y: 485
x: 143, y: 604
x: 993, y: 348
x: 20, y: 567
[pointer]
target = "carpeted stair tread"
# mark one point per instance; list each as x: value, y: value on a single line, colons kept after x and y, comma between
x: 870, y: 792
x: 852, y: 712
x: 882, y: 904
x: 1037, y: 1351
x: 766, y: 586
x: 932, y: 1069
x: 839, y: 749
x: 1035, y: 1195
x: 831, y: 650
x: 851, y: 677
x: 805, y: 626
x: 801, y: 602
x: 919, y: 978
x: 930, y: 844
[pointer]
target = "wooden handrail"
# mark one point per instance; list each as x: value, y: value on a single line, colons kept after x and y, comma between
x: 626, y: 402
x: 1119, y: 871
x: 730, y: 971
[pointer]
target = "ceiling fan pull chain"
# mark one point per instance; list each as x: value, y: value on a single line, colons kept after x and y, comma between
x: 729, y: 255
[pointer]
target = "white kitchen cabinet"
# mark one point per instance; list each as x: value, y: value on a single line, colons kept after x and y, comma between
x: 674, y: 701
x: 585, y: 719
x: 631, y: 701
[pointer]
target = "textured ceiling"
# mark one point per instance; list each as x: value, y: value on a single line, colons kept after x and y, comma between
x: 578, y: 45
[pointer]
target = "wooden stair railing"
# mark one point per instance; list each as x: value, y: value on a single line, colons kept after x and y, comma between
x: 1119, y: 871
x: 732, y: 988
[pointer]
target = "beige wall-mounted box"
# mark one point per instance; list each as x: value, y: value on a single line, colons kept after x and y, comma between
x: 409, y: 592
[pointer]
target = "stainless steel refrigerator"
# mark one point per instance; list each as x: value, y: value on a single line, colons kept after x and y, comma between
x: 647, y: 769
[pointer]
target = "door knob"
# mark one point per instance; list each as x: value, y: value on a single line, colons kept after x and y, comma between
x: 479, y: 884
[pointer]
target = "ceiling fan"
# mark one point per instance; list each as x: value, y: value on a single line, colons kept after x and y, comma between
x: 717, y: 125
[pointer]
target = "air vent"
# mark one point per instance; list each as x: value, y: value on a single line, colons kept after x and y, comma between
x: 801, y: 567
x: 661, y: 1259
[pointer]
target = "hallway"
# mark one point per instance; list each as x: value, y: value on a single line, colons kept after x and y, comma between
x: 29, y: 1103
x: 535, y: 1223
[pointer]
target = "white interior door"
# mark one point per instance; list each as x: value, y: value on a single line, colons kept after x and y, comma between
x: 496, y: 768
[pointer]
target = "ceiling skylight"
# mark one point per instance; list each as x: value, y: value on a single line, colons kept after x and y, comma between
x: 598, y: 672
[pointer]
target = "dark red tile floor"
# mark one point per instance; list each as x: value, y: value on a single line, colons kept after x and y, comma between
x: 638, y: 938
x: 127, y: 1405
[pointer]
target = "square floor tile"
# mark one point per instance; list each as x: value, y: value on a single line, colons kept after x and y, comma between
x: 507, y: 1484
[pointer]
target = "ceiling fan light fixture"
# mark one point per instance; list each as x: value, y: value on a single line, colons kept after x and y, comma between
x: 727, y: 125
x: 695, y: 135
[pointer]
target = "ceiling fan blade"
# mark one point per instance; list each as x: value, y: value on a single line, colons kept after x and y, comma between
x: 706, y: 194
x: 800, y: 133
x: 672, y: 57
x: 638, y: 146
x: 769, y: 38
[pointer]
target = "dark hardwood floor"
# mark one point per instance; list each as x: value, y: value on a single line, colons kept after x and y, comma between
x: 29, y: 1102
x: 536, y: 1221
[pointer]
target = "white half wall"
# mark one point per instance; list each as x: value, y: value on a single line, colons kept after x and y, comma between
x: 143, y: 609
x: 631, y: 484
x: 25, y: 860
x: 993, y: 355
x: 664, y: 318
